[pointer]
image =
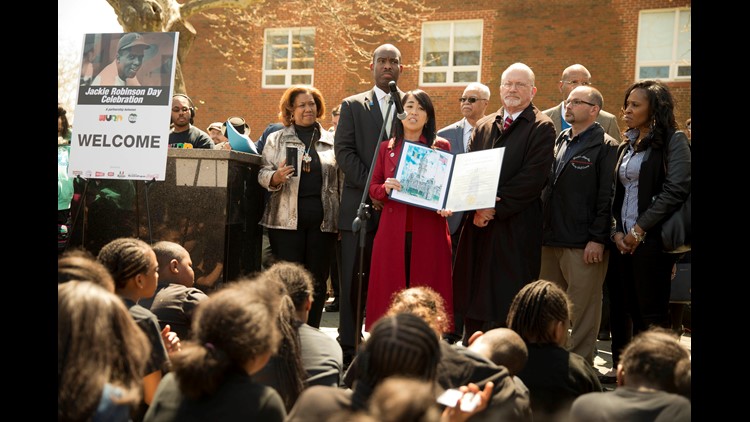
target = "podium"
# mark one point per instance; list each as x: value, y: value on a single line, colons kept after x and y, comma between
x: 210, y: 202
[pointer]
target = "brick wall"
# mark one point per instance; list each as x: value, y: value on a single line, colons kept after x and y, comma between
x: 547, y: 36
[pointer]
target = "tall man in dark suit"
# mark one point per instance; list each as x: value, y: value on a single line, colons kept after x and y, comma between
x: 500, y: 248
x: 355, y: 143
x: 474, y: 102
x: 574, y: 76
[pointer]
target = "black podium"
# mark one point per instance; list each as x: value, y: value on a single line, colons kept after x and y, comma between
x: 210, y: 202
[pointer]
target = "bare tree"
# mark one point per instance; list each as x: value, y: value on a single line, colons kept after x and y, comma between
x: 340, y: 17
x: 68, y: 72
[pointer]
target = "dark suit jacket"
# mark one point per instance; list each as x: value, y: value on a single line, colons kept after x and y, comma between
x: 494, y: 262
x: 455, y: 134
x: 606, y: 119
x: 355, y: 144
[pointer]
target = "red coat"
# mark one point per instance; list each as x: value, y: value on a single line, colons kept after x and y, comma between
x: 430, y: 249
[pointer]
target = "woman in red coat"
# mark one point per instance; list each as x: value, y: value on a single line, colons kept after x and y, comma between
x: 412, y: 246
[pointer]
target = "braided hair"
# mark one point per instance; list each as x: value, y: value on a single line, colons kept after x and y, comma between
x: 296, y: 278
x: 402, y: 344
x: 125, y: 258
x: 535, y: 309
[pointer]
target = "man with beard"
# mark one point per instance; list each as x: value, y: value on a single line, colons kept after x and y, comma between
x: 121, y: 72
x: 184, y: 134
x: 500, y: 248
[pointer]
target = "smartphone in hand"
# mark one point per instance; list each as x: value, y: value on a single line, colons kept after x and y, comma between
x: 291, y: 158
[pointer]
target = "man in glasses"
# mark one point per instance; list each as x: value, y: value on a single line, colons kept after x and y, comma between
x: 500, y: 248
x: 184, y: 134
x: 473, y: 103
x: 577, y: 215
x: 574, y: 76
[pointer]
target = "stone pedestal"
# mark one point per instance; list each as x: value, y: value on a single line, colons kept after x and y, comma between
x: 210, y: 202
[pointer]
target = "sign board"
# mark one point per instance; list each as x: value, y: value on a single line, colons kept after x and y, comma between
x: 121, y: 129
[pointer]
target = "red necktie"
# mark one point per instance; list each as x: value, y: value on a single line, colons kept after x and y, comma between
x: 507, y: 123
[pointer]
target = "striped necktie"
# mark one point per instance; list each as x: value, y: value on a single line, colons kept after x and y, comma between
x: 507, y: 123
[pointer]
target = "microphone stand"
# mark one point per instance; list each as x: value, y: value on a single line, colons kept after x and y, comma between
x: 359, y: 225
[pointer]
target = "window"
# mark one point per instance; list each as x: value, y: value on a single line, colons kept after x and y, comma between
x: 451, y: 53
x: 664, y: 47
x: 288, y: 57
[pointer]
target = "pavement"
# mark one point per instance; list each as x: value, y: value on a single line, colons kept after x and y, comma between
x: 602, y: 361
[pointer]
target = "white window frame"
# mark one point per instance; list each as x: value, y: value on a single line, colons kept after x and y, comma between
x: 450, y: 69
x: 676, y: 61
x: 289, y: 72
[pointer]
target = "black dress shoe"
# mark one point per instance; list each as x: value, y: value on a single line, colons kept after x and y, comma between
x: 604, y: 336
x: 333, y: 306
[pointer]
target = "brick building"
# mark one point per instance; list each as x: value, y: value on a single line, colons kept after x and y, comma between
x: 617, y: 40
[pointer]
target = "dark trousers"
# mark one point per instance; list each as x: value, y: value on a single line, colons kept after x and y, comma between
x: 458, y: 319
x: 313, y: 249
x: 473, y: 325
x: 349, y: 326
x: 639, y: 292
x: 620, y: 325
x: 336, y: 269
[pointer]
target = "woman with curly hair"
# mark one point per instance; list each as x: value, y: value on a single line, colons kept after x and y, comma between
x: 235, y: 333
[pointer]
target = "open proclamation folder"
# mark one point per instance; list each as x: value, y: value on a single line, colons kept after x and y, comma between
x: 436, y: 179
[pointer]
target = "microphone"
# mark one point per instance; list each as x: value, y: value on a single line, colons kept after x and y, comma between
x: 396, y: 97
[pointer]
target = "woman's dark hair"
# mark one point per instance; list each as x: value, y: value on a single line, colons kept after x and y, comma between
x: 535, y: 309
x: 98, y: 343
x: 231, y: 327
x: 81, y: 265
x: 661, y: 112
x: 62, y: 115
x: 297, y: 280
x: 401, y: 344
x: 125, y: 257
x: 286, y: 104
x: 429, y: 130
x: 290, y: 374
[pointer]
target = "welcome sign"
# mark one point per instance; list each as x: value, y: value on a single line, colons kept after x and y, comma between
x: 121, y: 128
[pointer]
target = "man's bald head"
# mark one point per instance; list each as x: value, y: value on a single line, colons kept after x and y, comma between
x: 502, y: 346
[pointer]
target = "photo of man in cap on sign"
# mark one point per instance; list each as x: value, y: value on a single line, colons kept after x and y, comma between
x: 121, y: 72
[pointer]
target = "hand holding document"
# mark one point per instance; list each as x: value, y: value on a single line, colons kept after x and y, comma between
x: 447, y: 183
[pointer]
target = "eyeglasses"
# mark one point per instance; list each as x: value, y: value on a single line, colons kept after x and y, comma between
x: 518, y: 85
x: 470, y: 100
x: 177, y: 109
x: 577, y: 102
x: 576, y: 82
